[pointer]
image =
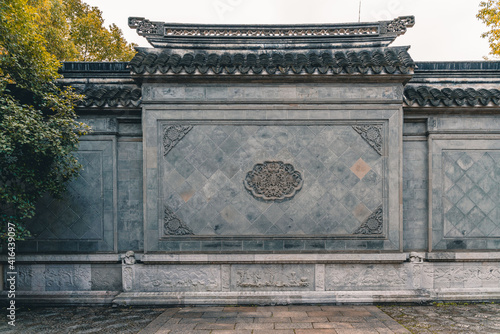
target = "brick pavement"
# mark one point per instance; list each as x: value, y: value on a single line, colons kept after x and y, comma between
x: 450, y: 318
x: 274, y: 319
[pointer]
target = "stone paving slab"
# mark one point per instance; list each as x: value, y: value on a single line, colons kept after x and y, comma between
x: 448, y: 318
x: 276, y: 319
x: 438, y: 318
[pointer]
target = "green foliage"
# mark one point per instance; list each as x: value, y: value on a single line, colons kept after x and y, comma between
x: 74, y: 31
x: 38, y: 127
x: 489, y: 13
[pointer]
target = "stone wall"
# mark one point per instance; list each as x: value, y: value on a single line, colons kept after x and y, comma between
x: 385, y: 201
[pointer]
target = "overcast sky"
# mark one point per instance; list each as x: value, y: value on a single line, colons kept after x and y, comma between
x: 445, y: 30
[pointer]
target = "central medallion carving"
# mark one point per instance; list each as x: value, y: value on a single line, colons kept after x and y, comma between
x: 273, y: 181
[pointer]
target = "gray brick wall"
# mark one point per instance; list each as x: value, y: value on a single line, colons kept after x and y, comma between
x: 130, y: 211
x: 415, y: 197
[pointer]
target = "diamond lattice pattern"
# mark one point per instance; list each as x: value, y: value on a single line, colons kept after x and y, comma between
x: 202, y: 180
x: 471, y: 194
x: 78, y: 215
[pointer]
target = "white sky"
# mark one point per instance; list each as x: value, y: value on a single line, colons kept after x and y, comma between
x: 445, y: 30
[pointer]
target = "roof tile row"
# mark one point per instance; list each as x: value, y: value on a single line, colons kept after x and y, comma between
x: 368, y: 61
x: 423, y: 96
x: 108, y: 96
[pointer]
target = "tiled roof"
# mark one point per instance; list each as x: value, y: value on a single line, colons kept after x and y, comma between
x: 424, y: 96
x: 270, y: 37
x: 110, y: 96
x: 362, y: 61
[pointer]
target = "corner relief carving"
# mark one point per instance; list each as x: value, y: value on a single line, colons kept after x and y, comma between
x: 172, y: 225
x: 372, y: 134
x: 373, y: 224
x: 273, y: 181
x: 173, y: 134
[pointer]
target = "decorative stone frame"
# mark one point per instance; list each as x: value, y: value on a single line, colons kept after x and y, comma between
x: 438, y: 144
x: 250, y: 105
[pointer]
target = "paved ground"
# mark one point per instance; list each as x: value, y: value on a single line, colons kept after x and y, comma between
x: 449, y: 318
x: 277, y: 319
x: 80, y: 320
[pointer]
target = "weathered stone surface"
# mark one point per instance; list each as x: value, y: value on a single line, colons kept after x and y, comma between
x: 465, y: 200
x: 105, y: 277
x: 83, y: 220
x: 272, y: 277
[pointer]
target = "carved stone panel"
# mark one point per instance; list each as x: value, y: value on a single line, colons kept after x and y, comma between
x: 172, y: 135
x: 373, y: 224
x: 372, y: 134
x: 68, y: 277
x: 365, y: 277
x: 277, y: 277
x: 173, y: 225
x: 170, y: 278
x: 273, y: 181
x: 280, y: 180
x: 24, y: 277
x: 466, y: 276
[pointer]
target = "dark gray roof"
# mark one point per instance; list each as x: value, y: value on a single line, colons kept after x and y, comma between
x: 271, y: 37
x: 394, y: 60
x: 425, y: 96
x: 110, y: 96
x: 107, y: 70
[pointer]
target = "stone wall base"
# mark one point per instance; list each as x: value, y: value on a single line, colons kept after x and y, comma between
x: 74, y: 298
x: 260, y: 279
x: 286, y: 298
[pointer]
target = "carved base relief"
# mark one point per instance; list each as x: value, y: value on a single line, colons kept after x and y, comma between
x: 155, y: 278
x: 61, y: 277
x: 364, y: 277
x: 272, y: 277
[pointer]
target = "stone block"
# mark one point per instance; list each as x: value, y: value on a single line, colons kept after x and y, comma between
x: 106, y: 277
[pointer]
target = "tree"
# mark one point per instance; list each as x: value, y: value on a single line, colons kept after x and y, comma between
x: 38, y: 127
x: 489, y: 13
x: 74, y: 31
